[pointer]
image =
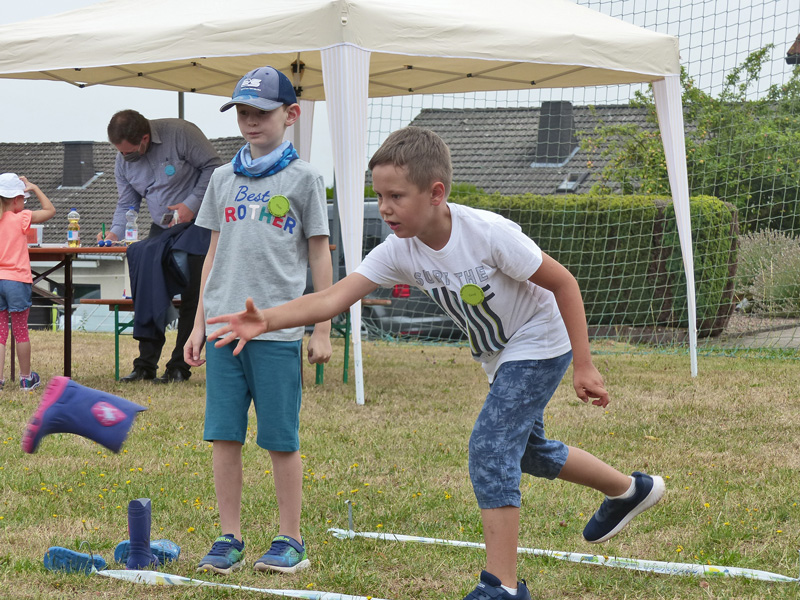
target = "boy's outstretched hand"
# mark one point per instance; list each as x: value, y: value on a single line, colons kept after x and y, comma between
x: 244, y: 325
x: 589, y: 384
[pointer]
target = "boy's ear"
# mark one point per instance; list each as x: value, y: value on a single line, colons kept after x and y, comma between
x: 438, y: 195
x: 292, y: 114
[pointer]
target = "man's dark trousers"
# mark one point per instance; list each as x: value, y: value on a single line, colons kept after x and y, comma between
x: 150, y: 348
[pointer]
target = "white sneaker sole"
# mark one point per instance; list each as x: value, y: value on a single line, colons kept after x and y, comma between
x: 264, y: 567
x: 656, y: 493
x: 210, y: 568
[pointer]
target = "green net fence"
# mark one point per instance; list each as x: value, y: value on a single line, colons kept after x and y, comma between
x: 582, y: 170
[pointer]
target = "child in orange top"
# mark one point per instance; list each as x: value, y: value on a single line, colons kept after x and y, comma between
x: 15, y: 269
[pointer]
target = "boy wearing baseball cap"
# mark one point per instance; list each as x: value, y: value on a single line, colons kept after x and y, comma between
x: 267, y: 214
x: 15, y: 269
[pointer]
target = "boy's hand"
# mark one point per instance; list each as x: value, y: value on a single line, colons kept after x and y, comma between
x: 194, y: 346
x: 244, y: 325
x: 589, y: 384
x: 319, y: 348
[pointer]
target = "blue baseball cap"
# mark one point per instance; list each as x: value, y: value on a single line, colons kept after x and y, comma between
x: 264, y: 88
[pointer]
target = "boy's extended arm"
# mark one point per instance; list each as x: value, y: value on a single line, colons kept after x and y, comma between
x: 305, y: 310
x: 587, y: 379
x: 319, y: 259
x: 194, y: 344
x: 48, y: 211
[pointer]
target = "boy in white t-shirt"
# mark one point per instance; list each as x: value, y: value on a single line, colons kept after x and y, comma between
x: 524, y: 316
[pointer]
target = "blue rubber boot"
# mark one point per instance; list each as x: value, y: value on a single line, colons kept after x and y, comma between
x: 140, y: 555
x: 67, y: 407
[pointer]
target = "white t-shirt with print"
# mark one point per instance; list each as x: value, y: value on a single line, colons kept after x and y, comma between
x: 516, y: 320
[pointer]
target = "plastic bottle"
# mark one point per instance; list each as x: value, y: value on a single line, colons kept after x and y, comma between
x: 73, y: 229
x: 131, y: 228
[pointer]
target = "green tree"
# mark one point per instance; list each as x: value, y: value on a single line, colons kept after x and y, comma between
x: 742, y: 150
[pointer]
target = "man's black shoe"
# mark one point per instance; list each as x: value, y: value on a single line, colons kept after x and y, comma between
x: 138, y: 374
x: 173, y: 376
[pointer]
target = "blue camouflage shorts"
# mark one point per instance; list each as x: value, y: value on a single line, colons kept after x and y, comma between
x: 508, y: 437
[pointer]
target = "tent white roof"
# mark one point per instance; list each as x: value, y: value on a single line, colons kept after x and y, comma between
x: 349, y: 50
x: 416, y: 46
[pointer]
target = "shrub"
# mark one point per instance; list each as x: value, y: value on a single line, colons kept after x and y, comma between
x: 626, y: 255
x: 769, y: 272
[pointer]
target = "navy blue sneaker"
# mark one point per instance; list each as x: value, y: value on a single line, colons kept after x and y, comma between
x: 63, y: 559
x: 285, y: 555
x: 614, y: 515
x: 489, y: 588
x: 225, y: 556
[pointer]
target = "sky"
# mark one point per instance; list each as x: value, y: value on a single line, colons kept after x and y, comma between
x: 47, y: 111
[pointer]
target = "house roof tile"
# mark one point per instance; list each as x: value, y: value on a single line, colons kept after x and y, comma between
x: 43, y: 164
x: 494, y: 148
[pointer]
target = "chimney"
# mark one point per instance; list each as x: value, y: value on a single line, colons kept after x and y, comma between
x: 78, y: 164
x: 556, y: 140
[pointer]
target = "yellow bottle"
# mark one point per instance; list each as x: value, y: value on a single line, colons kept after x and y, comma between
x: 73, y: 229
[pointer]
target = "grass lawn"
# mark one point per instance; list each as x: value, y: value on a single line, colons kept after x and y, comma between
x: 727, y: 444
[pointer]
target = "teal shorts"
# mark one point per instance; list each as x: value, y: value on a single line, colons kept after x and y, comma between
x: 266, y: 373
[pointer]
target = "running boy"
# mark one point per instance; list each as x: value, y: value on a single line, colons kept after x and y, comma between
x: 15, y: 269
x: 525, y: 319
x: 268, y: 219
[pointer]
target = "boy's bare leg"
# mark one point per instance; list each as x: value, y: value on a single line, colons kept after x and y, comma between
x: 288, y: 471
x: 586, y: 469
x: 501, y: 534
x: 227, y: 459
x: 24, y: 357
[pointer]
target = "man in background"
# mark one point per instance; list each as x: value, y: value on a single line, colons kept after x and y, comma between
x: 168, y: 163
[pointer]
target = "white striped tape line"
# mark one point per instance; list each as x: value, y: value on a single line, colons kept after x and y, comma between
x: 156, y: 578
x: 654, y: 566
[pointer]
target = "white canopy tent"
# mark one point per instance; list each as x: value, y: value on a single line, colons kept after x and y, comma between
x: 345, y: 51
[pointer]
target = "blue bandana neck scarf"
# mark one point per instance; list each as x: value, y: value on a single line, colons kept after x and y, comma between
x: 277, y: 160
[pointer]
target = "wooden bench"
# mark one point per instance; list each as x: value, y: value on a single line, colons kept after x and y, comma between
x: 345, y: 330
x: 118, y: 305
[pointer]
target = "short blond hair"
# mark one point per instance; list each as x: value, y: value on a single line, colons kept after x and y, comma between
x: 424, y: 155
